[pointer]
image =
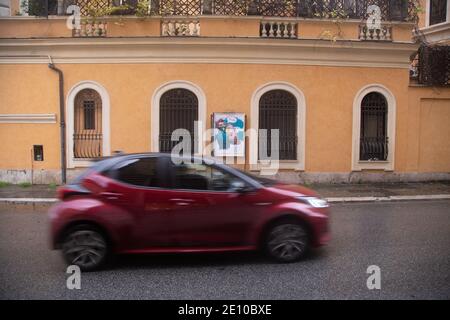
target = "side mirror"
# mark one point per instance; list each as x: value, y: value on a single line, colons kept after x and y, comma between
x: 239, y: 186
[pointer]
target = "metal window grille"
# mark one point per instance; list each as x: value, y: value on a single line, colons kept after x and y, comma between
x: 398, y: 10
x: 230, y: 7
x: 276, y: 8
x: 278, y: 110
x: 374, y: 140
x: 89, y: 114
x: 432, y: 66
x: 438, y: 11
x: 180, y: 7
x: 88, y: 137
x: 178, y: 110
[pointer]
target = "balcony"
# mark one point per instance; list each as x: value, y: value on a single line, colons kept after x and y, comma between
x: 430, y: 66
x: 268, y: 19
x: 391, y: 10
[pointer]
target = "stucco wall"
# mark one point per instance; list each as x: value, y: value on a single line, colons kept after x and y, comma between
x: 428, y: 143
x: 329, y: 93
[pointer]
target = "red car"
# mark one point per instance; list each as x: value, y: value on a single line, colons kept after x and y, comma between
x: 155, y: 203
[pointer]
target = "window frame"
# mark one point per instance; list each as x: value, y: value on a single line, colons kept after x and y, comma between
x: 165, y: 106
x: 430, y: 6
x: 364, y: 125
x: 155, y: 111
x: 73, y: 162
x: 265, y: 95
x: 389, y: 164
x: 267, y: 166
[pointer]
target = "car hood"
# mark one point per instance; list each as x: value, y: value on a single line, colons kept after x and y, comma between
x: 293, y: 190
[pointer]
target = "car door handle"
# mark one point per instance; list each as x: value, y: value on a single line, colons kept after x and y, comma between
x: 111, y: 195
x: 182, y: 202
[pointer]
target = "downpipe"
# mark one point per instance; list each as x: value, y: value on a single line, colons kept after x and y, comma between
x: 62, y: 121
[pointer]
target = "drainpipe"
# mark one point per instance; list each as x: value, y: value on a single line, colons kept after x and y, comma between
x: 62, y: 121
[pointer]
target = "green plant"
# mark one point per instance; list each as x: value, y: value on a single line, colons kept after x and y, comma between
x: 24, y: 184
x: 332, y: 14
x: 35, y: 7
x: 52, y: 186
x: 336, y: 16
x: 96, y: 9
x: 415, y: 10
x: 142, y: 8
x: 4, y: 184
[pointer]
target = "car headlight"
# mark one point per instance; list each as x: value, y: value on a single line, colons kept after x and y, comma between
x: 314, y: 202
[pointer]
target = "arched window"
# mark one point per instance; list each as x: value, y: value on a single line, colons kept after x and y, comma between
x: 88, y: 133
x: 178, y: 110
x: 278, y: 110
x: 374, y: 119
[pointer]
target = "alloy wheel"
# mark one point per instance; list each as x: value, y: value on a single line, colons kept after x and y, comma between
x: 287, y: 242
x: 85, y: 248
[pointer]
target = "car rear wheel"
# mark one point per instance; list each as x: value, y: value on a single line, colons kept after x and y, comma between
x: 287, y: 242
x: 85, y: 247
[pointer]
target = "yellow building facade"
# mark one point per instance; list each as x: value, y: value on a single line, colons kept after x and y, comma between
x: 339, y: 75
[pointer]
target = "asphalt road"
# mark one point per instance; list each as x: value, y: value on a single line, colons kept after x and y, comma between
x: 409, y: 241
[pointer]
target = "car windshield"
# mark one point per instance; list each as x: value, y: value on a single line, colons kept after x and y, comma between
x: 264, y: 181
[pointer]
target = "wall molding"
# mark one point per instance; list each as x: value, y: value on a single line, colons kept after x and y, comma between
x: 206, y: 50
x: 28, y: 118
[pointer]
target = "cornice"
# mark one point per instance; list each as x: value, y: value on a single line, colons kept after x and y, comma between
x: 207, y: 50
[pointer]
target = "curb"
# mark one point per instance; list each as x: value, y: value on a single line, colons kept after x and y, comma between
x: 330, y: 200
x: 389, y: 199
x: 28, y: 200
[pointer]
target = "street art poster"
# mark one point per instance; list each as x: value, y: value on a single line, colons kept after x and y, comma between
x: 229, y: 134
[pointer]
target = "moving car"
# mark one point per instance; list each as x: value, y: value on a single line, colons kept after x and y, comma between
x: 157, y: 203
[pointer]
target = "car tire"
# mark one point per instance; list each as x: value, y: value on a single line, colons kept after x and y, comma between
x: 86, y: 247
x: 287, y: 241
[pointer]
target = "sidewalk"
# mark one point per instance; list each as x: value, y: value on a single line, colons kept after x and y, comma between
x: 334, y: 193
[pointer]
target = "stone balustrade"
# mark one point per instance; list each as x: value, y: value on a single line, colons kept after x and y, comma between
x: 278, y: 29
x: 180, y: 28
x: 382, y: 34
x: 91, y: 29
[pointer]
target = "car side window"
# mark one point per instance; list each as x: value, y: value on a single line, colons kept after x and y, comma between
x: 139, y: 172
x: 193, y: 176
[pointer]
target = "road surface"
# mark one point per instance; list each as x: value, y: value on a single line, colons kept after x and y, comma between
x: 409, y: 241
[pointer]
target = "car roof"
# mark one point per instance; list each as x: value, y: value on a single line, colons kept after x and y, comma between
x: 109, y: 162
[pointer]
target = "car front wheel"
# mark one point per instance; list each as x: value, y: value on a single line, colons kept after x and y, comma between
x: 85, y: 247
x: 287, y: 242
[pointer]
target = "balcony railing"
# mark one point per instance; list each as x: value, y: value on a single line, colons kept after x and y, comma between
x: 278, y: 29
x: 391, y: 10
x: 180, y: 28
x: 91, y: 29
x: 431, y: 66
x: 384, y: 33
x: 374, y: 149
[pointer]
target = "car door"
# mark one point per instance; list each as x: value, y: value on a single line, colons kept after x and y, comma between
x: 206, y: 212
x: 139, y: 187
